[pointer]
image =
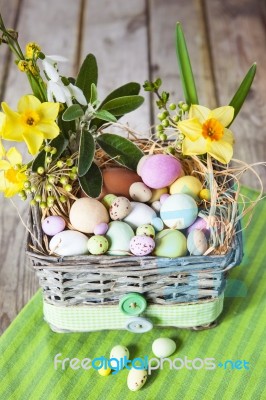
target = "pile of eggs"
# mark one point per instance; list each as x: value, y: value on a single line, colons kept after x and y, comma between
x: 153, y: 211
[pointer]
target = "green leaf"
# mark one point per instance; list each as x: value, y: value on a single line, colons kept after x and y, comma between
x: 129, y: 89
x: 126, y: 152
x: 123, y: 105
x: 88, y: 75
x: 94, y: 94
x: 186, y: 74
x: 60, y: 143
x: 66, y: 127
x: 242, y: 92
x: 73, y: 112
x: 91, y: 183
x: 105, y: 116
x: 86, y: 152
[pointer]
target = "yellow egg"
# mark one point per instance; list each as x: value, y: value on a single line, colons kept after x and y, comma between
x: 104, y: 371
x: 187, y: 185
x: 156, y: 194
x: 205, y: 194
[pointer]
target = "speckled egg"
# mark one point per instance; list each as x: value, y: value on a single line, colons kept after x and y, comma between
x: 53, y: 225
x: 179, y: 211
x: 170, y: 243
x: 157, y: 223
x: 119, y: 351
x: 163, y: 347
x: 147, y: 230
x: 140, y: 192
x: 108, y: 199
x: 197, y: 243
x: 200, y: 224
x: 141, y: 245
x: 86, y: 213
x: 119, y: 235
x: 188, y: 185
x: 101, y: 228
x: 157, y: 193
x: 69, y: 243
x: 98, y: 244
x: 136, y: 379
x: 160, y: 170
x: 120, y: 208
x: 141, y: 214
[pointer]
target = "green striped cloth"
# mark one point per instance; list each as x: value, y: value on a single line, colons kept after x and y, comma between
x: 28, y: 348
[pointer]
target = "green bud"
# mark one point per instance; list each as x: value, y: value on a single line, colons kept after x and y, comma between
x: 180, y: 104
x: 38, y: 198
x: 64, y: 180
x: 72, y: 176
x: 185, y: 107
x: 22, y: 193
x: 33, y: 188
x: 60, y: 164
x: 172, y: 106
x: 49, y: 187
x: 74, y: 169
x: 51, y: 179
x: 69, y: 162
x: 176, y: 118
x: 178, y: 146
x: 165, y: 123
x: 27, y: 184
x: 47, y: 149
x: 160, y: 116
x: 53, y: 150
x: 159, y: 128
x: 49, y: 160
x: 180, y: 113
x: 163, y: 137
x: 28, y: 192
x: 63, y: 199
x: 23, y: 198
x: 40, y: 170
x: 50, y: 199
x: 68, y: 188
x: 170, y: 150
x: 43, y: 204
x: 181, y: 136
x: 33, y: 202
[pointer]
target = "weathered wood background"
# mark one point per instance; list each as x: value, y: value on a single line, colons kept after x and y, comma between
x: 134, y: 40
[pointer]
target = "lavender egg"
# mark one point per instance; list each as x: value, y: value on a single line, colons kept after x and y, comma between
x: 101, y: 228
x: 201, y: 225
x: 141, y: 245
x: 53, y: 225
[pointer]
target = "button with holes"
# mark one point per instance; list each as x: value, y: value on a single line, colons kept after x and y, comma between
x: 139, y: 325
x: 132, y: 304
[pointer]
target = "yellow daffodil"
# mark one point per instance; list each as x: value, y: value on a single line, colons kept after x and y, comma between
x: 205, y: 132
x: 12, y: 174
x: 34, y: 122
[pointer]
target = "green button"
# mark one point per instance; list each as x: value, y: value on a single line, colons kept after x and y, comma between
x: 132, y: 304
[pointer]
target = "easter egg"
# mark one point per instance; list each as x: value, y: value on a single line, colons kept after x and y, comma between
x: 200, y: 224
x: 141, y: 163
x: 98, y: 244
x: 118, y: 352
x: 164, y: 197
x: 141, y: 214
x: 120, y: 208
x: 188, y: 185
x: 53, y: 225
x: 157, y: 223
x: 136, y: 379
x: 156, y: 206
x: 119, y: 235
x: 170, y: 243
x: 157, y: 193
x: 163, y: 347
x: 160, y: 170
x: 140, y: 192
x: 101, y: 229
x: 141, y: 245
x: 108, y: 199
x: 69, y: 243
x: 205, y: 194
x: 104, y: 371
x: 147, y: 230
x: 179, y: 211
x: 118, y: 181
x: 197, y: 243
x: 86, y: 213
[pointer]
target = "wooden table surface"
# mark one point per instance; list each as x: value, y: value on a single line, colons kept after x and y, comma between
x: 134, y: 40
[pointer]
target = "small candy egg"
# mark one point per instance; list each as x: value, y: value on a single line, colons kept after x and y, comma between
x: 156, y: 194
x: 141, y: 245
x: 179, y: 211
x: 101, y: 229
x: 119, y: 235
x: 205, y: 194
x: 197, y: 243
x: 163, y: 347
x: 140, y: 192
x: 120, y: 208
x: 98, y: 245
x: 141, y: 163
x: 86, y: 213
x: 118, y: 352
x: 164, y: 197
x: 53, y: 225
x: 156, y: 206
x: 108, y: 199
x: 136, y: 379
x: 157, y: 223
x: 69, y: 243
x: 200, y: 224
x: 170, y: 243
x: 141, y: 214
x: 104, y: 371
x: 160, y: 170
x: 187, y: 185
x: 147, y: 230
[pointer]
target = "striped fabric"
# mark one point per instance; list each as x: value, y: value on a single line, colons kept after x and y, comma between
x: 28, y: 348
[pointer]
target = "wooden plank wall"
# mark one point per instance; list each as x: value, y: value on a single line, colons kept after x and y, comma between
x: 135, y: 41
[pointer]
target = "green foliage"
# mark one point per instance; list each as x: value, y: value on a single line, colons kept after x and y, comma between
x: 91, y: 183
x: 129, y: 89
x: 66, y: 127
x: 152, y: 86
x: 87, y: 76
x: 94, y: 94
x: 86, y: 152
x: 73, y: 112
x: 125, y: 152
x: 105, y: 115
x: 123, y: 105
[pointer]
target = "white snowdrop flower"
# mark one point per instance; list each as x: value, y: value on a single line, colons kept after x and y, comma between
x: 77, y: 93
x: 48, y: 66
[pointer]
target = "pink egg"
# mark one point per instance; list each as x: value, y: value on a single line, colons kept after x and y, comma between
x: 101, y: 229
x: 164, y: 197
x: 160, y: 170
x: 141, y: 245
x: 53, y: 225
x: 201, y: 225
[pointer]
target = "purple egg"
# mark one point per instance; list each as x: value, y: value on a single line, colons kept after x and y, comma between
x: 164, y: 197
x: 201, y: 225
x: 53, y: 225
x: 101, y: 229
x: 141, y: 245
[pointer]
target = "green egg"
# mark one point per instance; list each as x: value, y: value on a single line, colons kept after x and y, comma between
x: 97, y: 245
x: 170, y: 243
x: 108, y: 199
x: 147, y: 230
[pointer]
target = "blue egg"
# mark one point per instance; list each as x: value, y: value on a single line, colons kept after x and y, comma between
x: 157, y: 223
x: 179, y: 211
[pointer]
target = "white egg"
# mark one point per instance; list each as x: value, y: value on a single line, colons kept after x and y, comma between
x: 69, y: 243
x: 136, y: 379
x: 163, y: 347
x: 141, y: 214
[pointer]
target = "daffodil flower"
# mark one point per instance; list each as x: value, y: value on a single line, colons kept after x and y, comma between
x: 12, y: 174
x: 64, y: 94
x: 34, y: 122
x: 205, y: 132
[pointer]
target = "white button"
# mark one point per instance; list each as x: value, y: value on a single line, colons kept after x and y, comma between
x: 138, y: 325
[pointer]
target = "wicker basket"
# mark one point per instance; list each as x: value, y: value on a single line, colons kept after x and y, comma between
x: 82, y: 293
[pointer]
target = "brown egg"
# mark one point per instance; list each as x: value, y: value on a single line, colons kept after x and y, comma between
x: 118, y: 181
